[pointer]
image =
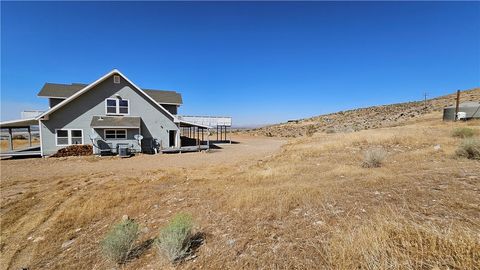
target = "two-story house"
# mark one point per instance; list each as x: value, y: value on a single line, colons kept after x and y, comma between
x: 107, y: 113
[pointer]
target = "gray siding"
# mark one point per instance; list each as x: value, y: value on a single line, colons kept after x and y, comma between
x: 54, y: 101
x: 130, y: 140
x: 79, y: 112
x: 171, y: 108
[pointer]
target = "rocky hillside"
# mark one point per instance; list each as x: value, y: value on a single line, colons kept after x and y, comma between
x: 363, y: 118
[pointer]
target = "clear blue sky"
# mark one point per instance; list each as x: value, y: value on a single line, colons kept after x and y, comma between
x: 260, y: 62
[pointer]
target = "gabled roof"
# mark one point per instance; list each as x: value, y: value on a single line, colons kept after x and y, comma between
x: 57, y: 90
x: 164, y: 97
x: 92, y: 85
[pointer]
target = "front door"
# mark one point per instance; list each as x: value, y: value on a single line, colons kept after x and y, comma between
x: 172, y: 135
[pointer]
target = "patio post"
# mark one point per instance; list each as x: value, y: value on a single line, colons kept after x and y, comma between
x: 10, y: 139
x: 29, y: 136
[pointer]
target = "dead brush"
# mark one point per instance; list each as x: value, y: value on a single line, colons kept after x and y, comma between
x: 463, y: 132
x: 469, y: 148
x: 374, y: 158
x: 310, y: 130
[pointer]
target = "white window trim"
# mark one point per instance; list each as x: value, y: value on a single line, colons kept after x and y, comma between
x: 116, y: 79
x: 114, y: 129
x: 69, y: 137
x: 117, y: 106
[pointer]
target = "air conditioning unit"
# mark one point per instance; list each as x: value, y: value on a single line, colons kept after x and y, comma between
x: 123, y: 151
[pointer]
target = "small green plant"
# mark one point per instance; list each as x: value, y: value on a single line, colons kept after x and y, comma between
x: 175, y: 238
x: 119, y: 241
x: 469, y: 148
x: 463, y: 132
x: 374, y: 158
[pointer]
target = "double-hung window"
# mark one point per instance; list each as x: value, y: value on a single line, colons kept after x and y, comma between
x: 117, y: 106
x: 66, y: 137
x: 115, y: 133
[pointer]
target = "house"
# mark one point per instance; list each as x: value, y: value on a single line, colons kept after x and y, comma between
x: 110, y: 113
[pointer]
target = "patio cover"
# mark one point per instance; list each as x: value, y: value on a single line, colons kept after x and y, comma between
x: 19, y: 123
x: 190, y: 124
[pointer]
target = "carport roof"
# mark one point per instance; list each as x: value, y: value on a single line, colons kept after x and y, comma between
x: 115, y: 122
x: 19, y: 123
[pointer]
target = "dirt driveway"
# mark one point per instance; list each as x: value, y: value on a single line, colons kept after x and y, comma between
x: 244, y: 148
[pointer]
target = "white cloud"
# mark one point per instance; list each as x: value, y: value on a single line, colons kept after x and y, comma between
x: 10, y: 110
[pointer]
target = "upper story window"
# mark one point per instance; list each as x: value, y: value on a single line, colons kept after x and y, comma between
x: 117, y: 106
x: 116, y: 79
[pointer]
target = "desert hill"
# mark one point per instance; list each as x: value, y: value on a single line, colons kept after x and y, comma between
x: 364, y: 118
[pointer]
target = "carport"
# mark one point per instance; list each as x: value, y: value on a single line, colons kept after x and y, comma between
x: 13, y: 126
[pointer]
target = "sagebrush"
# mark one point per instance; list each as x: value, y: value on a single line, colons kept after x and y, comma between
x: 469, y: 148
x: 463, y: 132
x: 119, y: 241
x: 374, y: 158
x: 175, y: 238
x: 310, y: 130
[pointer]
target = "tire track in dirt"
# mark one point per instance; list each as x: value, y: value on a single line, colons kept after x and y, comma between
x: 23, y: 255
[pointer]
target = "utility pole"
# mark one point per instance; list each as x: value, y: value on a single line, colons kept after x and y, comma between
x: 457, y: 104
x: 425, y: 100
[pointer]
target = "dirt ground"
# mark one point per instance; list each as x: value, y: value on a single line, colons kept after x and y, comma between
x: 242, y: 149
x: 265, y: 203
x: 22, y: 178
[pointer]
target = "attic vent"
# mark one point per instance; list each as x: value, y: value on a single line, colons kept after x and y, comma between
x: 116, y: 79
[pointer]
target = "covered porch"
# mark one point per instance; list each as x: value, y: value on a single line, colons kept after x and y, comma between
x: 110, y: 133
x: 25, y: 130
x: 193, y: 138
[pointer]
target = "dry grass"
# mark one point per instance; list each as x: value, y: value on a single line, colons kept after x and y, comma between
x: 18, y: 144
x: 463, y: 132
x: 403, y: 243
x: 309, y: 206
x: 469, y: 148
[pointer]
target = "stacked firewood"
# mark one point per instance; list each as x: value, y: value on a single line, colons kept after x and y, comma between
x: 74, y: 150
